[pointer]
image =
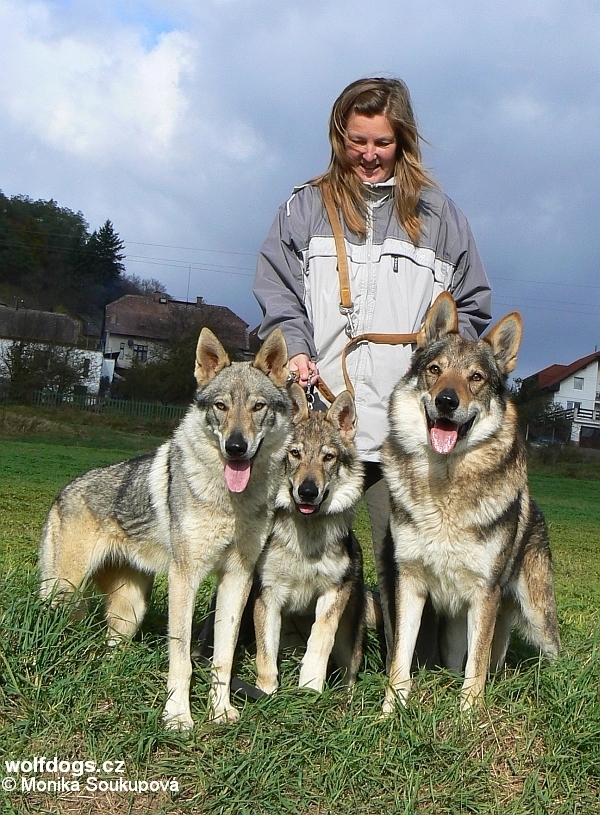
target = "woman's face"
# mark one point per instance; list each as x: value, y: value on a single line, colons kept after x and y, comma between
x: 371, y: 147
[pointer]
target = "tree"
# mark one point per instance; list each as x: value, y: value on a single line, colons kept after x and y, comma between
x: 170, y: 379
x: 48, y: 258
x: 133, y: 284
x: 105, y: 254
x: 538, y: 415
x: 35, y: 366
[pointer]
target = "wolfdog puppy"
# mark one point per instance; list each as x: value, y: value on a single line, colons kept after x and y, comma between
x: 201, y: 503
x: 466, y: 532
x: 312, y: 562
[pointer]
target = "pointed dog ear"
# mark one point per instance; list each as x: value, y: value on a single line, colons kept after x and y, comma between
x: 272, y: 359
x: 441, y: 319
x: 211, y: 357
x: 505, y: 339
x: 299, y: 401
x: 342, y: 415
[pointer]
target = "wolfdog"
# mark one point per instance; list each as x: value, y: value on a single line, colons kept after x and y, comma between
x: 312, y: 562
x: 465, y: 529
x: 200, y: 503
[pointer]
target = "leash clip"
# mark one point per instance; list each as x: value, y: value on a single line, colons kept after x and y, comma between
x: 348, y: 313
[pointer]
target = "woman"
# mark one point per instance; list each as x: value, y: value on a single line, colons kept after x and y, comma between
x: 405, y: 242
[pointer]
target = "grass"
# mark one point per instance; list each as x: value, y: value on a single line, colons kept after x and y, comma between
x: 533, y: 748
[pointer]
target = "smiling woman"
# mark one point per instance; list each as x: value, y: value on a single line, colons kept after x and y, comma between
x: 371, y: 146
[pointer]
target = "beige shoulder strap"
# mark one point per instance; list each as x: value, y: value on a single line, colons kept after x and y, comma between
x: 340, y: 247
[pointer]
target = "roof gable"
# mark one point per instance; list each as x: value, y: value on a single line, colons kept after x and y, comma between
x: 555, y: 374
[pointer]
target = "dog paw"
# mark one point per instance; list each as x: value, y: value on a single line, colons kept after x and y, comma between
x: 176, y: 719
x: 393, y: 697
x: 470, y: 697
x: 226, y: 715
x: 181, y: 723
x: 314, y: 685
x: 267, y: 686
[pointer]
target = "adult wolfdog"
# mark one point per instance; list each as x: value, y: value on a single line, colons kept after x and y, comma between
x: 312, y: 563
x: 201, y: 503
x: 465, y: 530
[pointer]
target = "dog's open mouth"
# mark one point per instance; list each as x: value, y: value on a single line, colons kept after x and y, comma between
x: 307, y: 509
x: 444, y: 434
x: 237, y: 474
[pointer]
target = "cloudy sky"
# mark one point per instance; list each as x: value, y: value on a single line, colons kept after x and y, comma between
x: 187, y: 122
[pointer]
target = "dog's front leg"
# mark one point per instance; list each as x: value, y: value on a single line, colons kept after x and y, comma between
x: 267, y: 627
x: 183, y: 585
x: 481, y: 621
x: 329, y: 610
x: 232, y: 594
x: 410, y: 601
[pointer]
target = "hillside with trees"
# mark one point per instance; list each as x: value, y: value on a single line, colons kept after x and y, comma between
x: 50, y: 260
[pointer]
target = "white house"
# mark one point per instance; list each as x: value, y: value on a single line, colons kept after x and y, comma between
x: 576, y: 387
x: 92, y: 362
x: 138, y: 327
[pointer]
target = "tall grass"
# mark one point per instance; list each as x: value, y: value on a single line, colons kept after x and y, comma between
x: 534, y: 747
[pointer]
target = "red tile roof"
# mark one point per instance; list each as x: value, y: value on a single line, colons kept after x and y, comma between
x: 555, y: 374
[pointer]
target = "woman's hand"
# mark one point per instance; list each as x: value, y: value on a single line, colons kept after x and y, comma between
x: 305, y: 368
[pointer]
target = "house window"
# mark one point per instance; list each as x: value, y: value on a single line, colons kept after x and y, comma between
x: 571, y: 405
x: 140, y: 352
x: 578, y: 383
x: 122, y: 350
x: 86, y: 367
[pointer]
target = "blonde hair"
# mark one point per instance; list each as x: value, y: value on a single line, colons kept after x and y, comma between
x: 370, y: 97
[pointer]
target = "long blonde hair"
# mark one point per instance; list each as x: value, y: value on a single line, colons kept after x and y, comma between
x: 370, y: 97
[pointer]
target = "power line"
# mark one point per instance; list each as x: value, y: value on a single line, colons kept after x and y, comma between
x: 191, y: 248
x: 505, y: 295
x: 547, y: 282
x: 197, y: 264
x: 181, y: 264
x: 70, y: 236
x: 523, y: 306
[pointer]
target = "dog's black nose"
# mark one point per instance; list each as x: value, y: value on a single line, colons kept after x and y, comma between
x: 447, y: 400
x: 308, y: 490
x: 236, y: 445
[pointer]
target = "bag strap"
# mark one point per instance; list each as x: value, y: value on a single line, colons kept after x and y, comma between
x: 340, y: 246
x: 346, y: 296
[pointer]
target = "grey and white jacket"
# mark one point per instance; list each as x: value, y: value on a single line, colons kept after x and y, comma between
x: 392, y: 281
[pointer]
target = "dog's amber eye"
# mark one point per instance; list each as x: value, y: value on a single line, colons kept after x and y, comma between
x: 329, y: 457
x: 294, y: 452
x: 476, y: 377
x: 435, y: 369
x: 260, y: 406
x: 220, y: 406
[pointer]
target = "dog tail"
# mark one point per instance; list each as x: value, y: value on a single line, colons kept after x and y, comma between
x: 374, y: 614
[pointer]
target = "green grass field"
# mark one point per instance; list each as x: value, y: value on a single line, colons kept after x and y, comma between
x: 534, y: 747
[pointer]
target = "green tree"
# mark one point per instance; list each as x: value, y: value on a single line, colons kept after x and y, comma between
x: 32, y: 366
x: 48, y: 258
x: 170, y: 379
x: 105, y: 254
x: 538, y: 415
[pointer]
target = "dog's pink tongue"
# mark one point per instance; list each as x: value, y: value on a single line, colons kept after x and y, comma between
x: 237, y: 475
x: 306, y: 509
x: 443, y: 436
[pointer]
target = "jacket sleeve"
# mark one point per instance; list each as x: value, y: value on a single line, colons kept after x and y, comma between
x: 278, y: 284
x: 469, y: 286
